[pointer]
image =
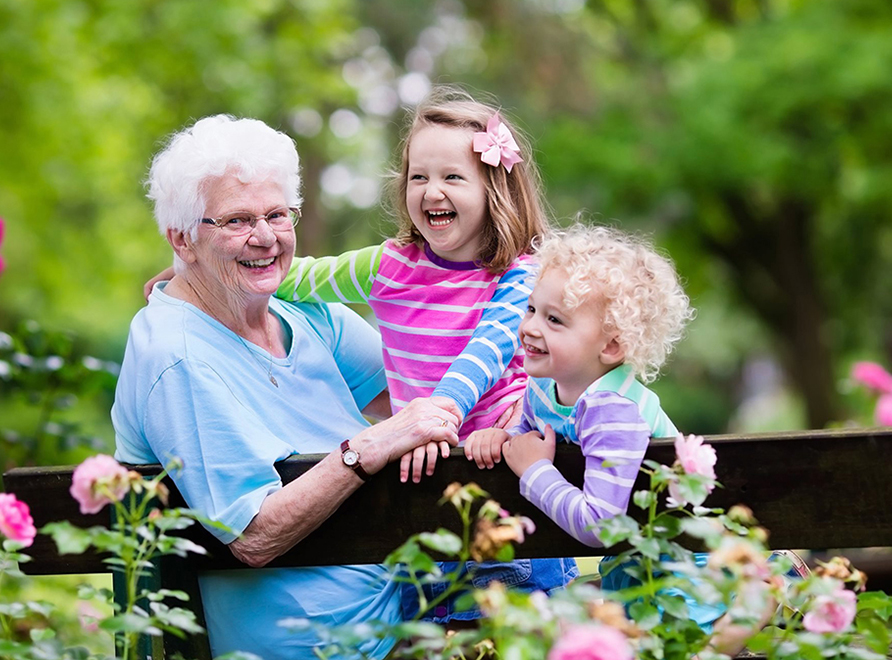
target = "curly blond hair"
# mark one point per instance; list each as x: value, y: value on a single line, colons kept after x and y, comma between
x: 515, y: 205
x: 642, y: 298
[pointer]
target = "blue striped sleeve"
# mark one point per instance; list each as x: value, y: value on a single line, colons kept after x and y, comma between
x: 613, y: 438
x: 493, y: 344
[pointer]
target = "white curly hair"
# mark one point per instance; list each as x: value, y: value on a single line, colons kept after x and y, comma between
x: 643, y: 300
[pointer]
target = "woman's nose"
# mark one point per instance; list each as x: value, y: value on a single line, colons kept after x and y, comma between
x: 262, y: 234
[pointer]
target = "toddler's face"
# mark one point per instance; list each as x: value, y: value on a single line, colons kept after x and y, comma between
x: 569, y: 346
x: 445, y: 193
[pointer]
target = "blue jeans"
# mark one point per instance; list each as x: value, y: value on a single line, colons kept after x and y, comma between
x: 522, y: 575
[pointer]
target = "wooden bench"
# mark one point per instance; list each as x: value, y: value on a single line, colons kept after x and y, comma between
x: 816, y: 490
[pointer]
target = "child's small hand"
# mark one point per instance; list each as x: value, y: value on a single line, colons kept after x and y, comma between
x: 522, y: 451
x: 166, y: 274
x: 413, y: 461
x: 484, y: 447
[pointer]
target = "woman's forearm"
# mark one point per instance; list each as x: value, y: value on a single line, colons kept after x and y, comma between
x: 289, y: 515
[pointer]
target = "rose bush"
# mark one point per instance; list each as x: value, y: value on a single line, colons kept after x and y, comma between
x: 825, y: 616
x: 820, y: 616
x: 141, y: 532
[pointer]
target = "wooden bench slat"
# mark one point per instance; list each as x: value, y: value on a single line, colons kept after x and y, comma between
x: 823, y: 489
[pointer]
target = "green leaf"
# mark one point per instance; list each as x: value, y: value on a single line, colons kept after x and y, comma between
x: 647, y: 547
x: 616, y: 530
x: 647, y: 616
x: 442, y: 541
x: 129, y: 623
x: 644, y: 498
x: 505, y: 553
x: 673, y: 604
x: 176, y: 617
x: 70, y: 540
x: 41, y: 634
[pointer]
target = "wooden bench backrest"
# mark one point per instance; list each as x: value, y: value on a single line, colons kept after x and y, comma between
x: 828, y: 489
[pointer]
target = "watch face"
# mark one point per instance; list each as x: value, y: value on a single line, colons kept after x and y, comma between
x: 350, y: 457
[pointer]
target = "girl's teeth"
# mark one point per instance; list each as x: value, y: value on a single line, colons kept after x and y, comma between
x: 440, y: 218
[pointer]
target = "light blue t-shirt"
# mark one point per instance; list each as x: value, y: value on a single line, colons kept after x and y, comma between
x: 191, y: 388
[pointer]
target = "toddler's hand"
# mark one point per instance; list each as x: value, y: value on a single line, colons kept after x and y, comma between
x: 413, y: 461
x: 522, y: 451
x: 164, y: 275
x: 484, y: 447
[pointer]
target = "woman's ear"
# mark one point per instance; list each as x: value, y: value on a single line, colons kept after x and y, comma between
x: 182, y: 245
x: 613, y: 353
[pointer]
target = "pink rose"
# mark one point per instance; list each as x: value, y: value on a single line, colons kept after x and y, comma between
x: 694, y: 456
x: 832, y: 613
x: 883, y: 412
x: 591, y: 642
x: 16, y: 522
x: 872, y: 375
x: 98, y: 481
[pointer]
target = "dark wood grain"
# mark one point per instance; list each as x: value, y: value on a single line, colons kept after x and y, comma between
x: 824, y: 489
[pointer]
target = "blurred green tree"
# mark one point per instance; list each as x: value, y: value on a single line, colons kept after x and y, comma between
x: 750, y: 134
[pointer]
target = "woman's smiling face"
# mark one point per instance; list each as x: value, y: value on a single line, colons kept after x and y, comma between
x: 251, y: 265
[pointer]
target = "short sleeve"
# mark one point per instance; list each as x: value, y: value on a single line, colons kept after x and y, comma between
x: 228, y: 468
x: 356, y: 347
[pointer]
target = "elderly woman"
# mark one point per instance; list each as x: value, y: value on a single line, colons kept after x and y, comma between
x: 230, y: 380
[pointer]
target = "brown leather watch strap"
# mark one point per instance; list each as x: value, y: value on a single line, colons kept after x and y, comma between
x: 350, y: 458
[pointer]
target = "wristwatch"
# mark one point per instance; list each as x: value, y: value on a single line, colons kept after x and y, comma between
x: 350, y: 457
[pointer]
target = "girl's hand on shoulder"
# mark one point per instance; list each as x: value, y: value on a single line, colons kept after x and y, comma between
x: 484, y: 447
x: 163, y: 276
x: 522, y: 451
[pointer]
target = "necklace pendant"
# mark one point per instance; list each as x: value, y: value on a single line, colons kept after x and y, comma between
x: 273, y: 380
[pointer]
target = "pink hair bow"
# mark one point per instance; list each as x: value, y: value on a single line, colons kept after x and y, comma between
x: 497, y: 145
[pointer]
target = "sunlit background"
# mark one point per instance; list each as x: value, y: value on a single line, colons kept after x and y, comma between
x: 751, y: 138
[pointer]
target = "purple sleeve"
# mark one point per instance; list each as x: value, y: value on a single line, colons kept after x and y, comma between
x: 526, y: 419
x: 610, y: 430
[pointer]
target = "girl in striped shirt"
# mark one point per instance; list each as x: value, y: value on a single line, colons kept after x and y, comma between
x: 450, y: 290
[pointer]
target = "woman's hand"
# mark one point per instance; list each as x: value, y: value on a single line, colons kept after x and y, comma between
x: 163, y: 276
x: 414, y: 461
x: 522, y: 451
x: 484, y: 447
x: 419, y: 423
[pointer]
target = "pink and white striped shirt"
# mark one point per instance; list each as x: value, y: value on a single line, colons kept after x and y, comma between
x: 448, y: 328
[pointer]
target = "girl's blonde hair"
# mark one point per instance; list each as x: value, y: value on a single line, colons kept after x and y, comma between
x: 639, y: 290
x: 514, y: 200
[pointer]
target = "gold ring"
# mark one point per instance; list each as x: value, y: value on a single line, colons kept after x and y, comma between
x: 444, y: 423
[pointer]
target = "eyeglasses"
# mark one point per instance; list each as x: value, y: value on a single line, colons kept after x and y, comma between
x: 239, y: 223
